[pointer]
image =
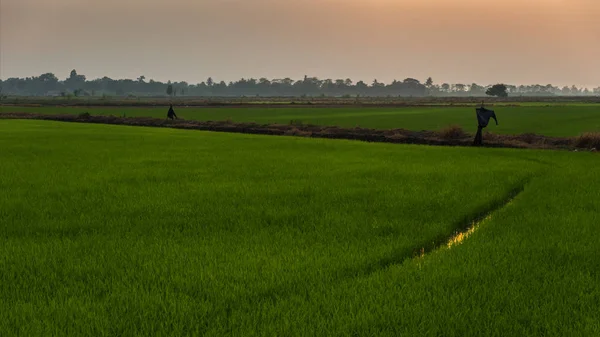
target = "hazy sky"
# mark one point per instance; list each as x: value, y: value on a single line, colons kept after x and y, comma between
x: 515, y: 41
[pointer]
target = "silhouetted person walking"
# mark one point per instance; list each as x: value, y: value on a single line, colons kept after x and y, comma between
x: 483, y: 118
x: 171, y: 113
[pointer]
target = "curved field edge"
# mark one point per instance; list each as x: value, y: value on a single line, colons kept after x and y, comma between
x: 590, y: 141
x: 531, y: 270
x: 151, y: 282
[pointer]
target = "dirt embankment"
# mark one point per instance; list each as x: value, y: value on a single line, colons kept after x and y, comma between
x: 400, y: 136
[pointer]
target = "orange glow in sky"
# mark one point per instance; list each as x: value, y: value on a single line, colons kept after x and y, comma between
x: 519, y: 42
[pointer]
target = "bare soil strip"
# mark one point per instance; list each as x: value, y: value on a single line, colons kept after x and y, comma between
x: 399, y: 136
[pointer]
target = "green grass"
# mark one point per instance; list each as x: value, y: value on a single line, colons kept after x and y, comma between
x: 550, y: 120
x: 112, y: 230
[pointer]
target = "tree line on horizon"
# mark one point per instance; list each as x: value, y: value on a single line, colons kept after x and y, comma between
x: 77, y: 85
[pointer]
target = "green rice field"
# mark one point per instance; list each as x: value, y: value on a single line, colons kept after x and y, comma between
x: 134, y: 231
x: 549, y: 120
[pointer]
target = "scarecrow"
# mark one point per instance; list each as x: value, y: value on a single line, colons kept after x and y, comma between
x: 171, y: 113
x: 483, y: 118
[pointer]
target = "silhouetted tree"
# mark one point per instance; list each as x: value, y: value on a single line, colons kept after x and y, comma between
x: 429, y: 82
x: 49, y: 84
x: 498, y: 90
x: 412, y: 81
x: 75, y: 81
x: 575, y: 90
x: 459, y: 87
x: 49, y: 78
x: 376, y: 85
x: 476, y: 90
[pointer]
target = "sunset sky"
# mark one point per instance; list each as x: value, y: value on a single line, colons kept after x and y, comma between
x: 456, y: 41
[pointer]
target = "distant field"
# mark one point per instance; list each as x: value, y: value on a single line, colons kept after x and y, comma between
x: 552, y: 120
x: 112, y: 230
x: 259, y: 100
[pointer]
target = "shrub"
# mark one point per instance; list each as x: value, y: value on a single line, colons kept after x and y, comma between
x: 528, y: 138
x: 297, y: 132
x: 452, y: 132
x: 84, y: 115
x: 588, y: 140
x: 397, y: 136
